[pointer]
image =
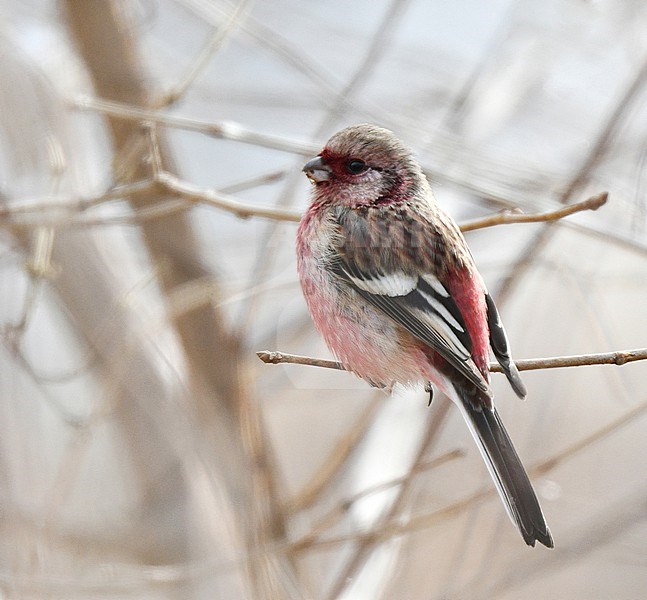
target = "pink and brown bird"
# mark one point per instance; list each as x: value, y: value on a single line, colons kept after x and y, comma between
x: 393, y: 289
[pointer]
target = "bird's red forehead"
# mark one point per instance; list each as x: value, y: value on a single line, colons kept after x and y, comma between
x: 335, y: 160
x: 330, y: 156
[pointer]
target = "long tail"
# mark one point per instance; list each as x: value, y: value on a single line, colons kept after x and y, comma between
x: 506, y: 470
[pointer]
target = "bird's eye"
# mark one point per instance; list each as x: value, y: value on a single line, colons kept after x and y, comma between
x: 356, y: 166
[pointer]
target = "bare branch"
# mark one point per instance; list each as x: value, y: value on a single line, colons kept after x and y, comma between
x: 507, y: 217
x: 334, y: 463
x: 61, y: 213
x: 227, y: 130
x: 235, y: 18
x: 255, y: 181
x: 271, y: 357
x: 332, y: 517
x: 620, y: 357
x: 600, y: 148
x: 39, y: 268
x: 67, y: 212
x: 54, y: 204
x: 212, y: 198
x: 417, y: 522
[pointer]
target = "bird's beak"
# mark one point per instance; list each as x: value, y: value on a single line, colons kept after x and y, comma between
x: 317, y: 170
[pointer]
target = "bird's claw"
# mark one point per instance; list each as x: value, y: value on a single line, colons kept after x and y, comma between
x: 430, y: 390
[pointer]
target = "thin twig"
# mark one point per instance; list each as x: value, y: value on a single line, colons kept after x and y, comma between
x: 218, y: 38
x: 210, y: 197
x: 334, y: 463
x: 227, y: 130
x: 619, y: 357
x: 39, y: 268
x: 255, y: 181
x: 398, y: 506
x: 62, y: 214
x: 599, y: 149
x: 396, y: 528
x: 554, y: 461
x: 37, y: 214
x: 332, y: 517
x: 36, y: 207
x: 30, y: 213
x: 592, y: 203
x: 271, y: 357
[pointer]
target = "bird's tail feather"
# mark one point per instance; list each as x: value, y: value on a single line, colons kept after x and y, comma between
x: 506, y: 470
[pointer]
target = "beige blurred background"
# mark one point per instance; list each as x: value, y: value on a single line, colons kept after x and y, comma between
x: 146, y: 452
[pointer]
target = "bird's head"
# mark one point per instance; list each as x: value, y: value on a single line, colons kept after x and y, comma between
x: 364, y: 165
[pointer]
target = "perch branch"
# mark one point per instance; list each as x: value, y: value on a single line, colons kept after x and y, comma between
x: 619, y: 357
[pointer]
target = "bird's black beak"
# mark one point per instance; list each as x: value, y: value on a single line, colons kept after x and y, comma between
x: 317, y: 170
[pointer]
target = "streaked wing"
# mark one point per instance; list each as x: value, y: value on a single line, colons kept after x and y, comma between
x: 423, y: 306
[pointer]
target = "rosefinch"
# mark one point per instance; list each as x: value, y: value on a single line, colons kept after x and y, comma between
x: 393, y: 290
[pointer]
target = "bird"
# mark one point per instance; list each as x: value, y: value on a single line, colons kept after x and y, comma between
x: 394, y: 291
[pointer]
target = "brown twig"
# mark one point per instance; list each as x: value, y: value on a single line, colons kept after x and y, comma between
x: 331, y: 518
x: 333, y: 463
x: 599, y: 149
x: 219, y: 36
x: 27, y: 214
x: 363, y: 549
x: 68, y: 213
x: 18, y: 210
x: 619, y: 357
x: 228, y: 130
x: 212, y: 198
x: 592, y: 203
x: 422, y: 521
x: 271, y: 357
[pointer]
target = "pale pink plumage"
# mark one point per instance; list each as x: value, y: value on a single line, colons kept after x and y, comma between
x: 369, y: 344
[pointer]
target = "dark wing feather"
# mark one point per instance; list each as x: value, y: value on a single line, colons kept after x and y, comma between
x: 505, y: 467
x: 428, y: 314
x: 501, y: 348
